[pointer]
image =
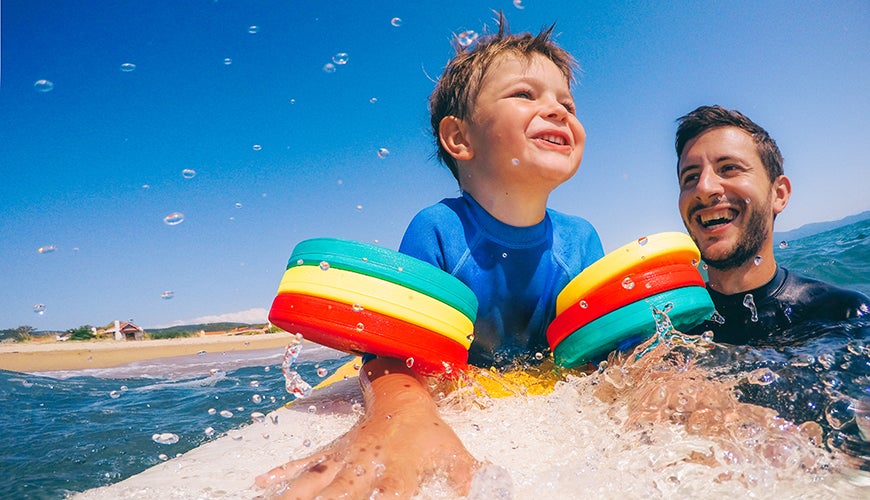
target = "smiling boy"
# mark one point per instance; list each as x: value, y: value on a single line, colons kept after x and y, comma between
x: 504, y: 122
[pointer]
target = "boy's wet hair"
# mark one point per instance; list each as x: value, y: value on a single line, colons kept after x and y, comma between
x: 705, y: 118
x: 457, y: 89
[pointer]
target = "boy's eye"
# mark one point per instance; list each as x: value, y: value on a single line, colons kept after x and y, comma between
x: 523, y: 94
x: 570, y: 107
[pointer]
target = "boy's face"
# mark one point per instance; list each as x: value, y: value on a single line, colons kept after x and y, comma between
x: 523, y: 128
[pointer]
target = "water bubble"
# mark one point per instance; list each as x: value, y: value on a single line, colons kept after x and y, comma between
x: 212, y: 411
x: 322, y: 372
x: 360, y: 327
x: 188, y: 173
x: 128, y: 67
x: 539, y: 356
x: 642, y: 241
x: 519, y: 4
x: 329, y: 68
x: 306, y: 443
x: 163, y: 457
x: 43, y: 85
x: 583, y: 304
x: 257, y: 147
x: 839, y: 413
x: 466, y: 38
x: 783, y: 244
x: 627, y: 283
x: 165, y: 438
x: 256, y: 398
x: 254, y: 383
x: 359, y: 208
x: 226, y: 414
x: 358, y: 308
x: 749, y: 303
x: 146, y: 186
x: 227, y: 61
x: 762, y: 376
x: 341, y: 58
x: 39, y: 309
x: 168, y: 294
x: 238, y: 205
x: 258, y: 417
x: 409, y: 362
x: 396, y: 21
x: 373, y: 100
x: 174, y: 219
x: 515, y: 162
x: 470, y: 337
x: 312, y: 409
x: 324, y: 265
x: 383, y: 153
x: 504, y: 255
x: 114, y: 394
x: 47, y: 249
x: 758, y: 260
x: 253, y: 29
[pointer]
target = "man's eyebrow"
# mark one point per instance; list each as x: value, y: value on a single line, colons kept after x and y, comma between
x: 684, y: 169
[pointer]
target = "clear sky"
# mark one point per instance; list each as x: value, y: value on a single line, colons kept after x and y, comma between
x: 283, y: 150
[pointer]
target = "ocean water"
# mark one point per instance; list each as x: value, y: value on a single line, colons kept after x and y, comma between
x: 71, y: 431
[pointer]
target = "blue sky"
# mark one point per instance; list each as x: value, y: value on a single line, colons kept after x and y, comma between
x: 285, y: 151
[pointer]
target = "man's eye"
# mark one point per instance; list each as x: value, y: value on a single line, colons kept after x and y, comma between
x: 688, y: 180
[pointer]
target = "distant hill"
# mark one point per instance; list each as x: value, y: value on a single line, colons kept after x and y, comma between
x: 819, y: 227
x: 206, y: 327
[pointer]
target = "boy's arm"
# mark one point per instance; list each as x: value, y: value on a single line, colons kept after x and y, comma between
x: 399, y: 441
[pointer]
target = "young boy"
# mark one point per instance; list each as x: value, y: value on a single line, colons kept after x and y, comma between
x: 503, y: 118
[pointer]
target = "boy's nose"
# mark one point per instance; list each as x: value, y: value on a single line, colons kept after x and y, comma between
x: 554, y: 110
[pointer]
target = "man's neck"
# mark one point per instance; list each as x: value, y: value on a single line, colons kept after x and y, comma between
x: 748, y: 276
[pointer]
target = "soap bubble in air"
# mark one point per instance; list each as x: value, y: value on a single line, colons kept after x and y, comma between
x: 188, y: 173
x: 383, y: 153
x: 396, y: 21
x: 43, y: 85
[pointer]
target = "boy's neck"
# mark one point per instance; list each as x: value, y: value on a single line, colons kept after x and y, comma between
x: 515, y: 208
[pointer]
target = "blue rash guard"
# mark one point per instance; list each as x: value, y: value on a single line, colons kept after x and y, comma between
x: 515, y: 272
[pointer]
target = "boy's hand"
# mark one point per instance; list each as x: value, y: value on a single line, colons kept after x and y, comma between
x: 400, y: 441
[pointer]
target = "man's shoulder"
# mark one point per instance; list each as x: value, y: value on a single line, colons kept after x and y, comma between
x: 814, y: 294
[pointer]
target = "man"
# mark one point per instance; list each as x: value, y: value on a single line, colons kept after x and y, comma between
x: 732, y: 187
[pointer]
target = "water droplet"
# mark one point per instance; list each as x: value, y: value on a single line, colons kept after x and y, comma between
x: 227, y: 61
x: 707, y: 336
x: 292, y: 101
x: 515, y: 162
x: 747, y: 201
x: 174, y: 219
x: 188, y: 173
x: 539, y: 356
x: 400, y: 269
x: 324, y: 265
x: 43, y: 85
x: 256, y: 398
x: 758, y: 260
x: 359, y: 470
x: 306, y: 443
x: 168, y: 294
x: 39, y: 309
x: 749, y: 303
x: 583, y: 304
x: 396, y: 21
x: 341, y: 58
x: 165, y: 438
x: 705, y: 266
x: 358, y: 308
x: 783, y: 244
x: 329, y: 68
x: 312, y: 409
x: 114, y: 394
x: 163, y: 457
x: 359, y: 208
x: 238, y: 205
x: 373, y: 100
x: 519, y: 4
x: 761, y: 376
x: 504, y: 255
x: 409, y: 362
x: 257, y: 147
x: 258, y: 417
x: 253, y: 29
x: 47, y: 249
x: 322, y: 372
x: 273, y: 416
x: 226, y: 414
x: 209, y: 431
x: 627, y: 283
x: 466, y: 38
x: 128, y: 67
x: 383, y: 153
x: 146, y: 186
x: 360, y: 327
x: 642, y: 241
x: 212, y: 411
x: 255, y: 383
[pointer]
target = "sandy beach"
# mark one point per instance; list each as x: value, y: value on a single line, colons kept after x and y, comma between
x: 77, y: 355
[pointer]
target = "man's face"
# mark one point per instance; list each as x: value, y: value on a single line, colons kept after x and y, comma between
x: 726, y: 197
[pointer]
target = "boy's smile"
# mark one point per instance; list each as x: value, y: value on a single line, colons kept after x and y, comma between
x: 522, y: 130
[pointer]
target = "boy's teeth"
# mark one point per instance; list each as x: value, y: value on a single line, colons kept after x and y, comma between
x: 555, y: 139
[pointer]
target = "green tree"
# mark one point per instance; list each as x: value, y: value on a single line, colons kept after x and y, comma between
x: 84, y: 332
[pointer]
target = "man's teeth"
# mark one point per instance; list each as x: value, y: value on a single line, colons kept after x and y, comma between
x: 716, y: 218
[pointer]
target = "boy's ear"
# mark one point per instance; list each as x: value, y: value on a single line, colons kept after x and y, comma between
x: 453, y: 135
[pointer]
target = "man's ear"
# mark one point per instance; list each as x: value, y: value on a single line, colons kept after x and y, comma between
x: 781, y: 191
x: 452, y: 133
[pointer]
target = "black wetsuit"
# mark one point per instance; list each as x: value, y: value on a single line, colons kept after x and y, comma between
x: 757, y: 317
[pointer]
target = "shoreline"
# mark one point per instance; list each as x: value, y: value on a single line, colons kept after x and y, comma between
x: 79, y: 355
